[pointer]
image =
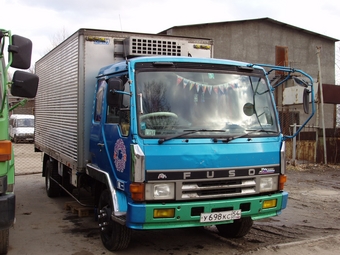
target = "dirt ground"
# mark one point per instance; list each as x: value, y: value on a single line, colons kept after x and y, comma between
x: 311, y: 222
x: 309, y: 225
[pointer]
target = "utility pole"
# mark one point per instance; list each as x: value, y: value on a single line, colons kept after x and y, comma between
x: 318, y: 50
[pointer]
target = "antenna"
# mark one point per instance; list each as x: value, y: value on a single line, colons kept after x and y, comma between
x: 120, y: 21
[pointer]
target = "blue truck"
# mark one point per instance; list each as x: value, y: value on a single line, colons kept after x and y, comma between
x: 161, y: 134
x: 23, y: 84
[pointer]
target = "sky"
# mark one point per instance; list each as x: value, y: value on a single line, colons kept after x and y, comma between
x: 43, y: 21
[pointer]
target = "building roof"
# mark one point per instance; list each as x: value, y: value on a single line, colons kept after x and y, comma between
x: 260, y: 19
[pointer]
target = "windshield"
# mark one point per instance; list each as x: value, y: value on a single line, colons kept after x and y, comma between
x: 214, y: 104
x: 25, y: 123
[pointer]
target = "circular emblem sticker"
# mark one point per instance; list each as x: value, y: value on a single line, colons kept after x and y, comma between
x: 119, y: 155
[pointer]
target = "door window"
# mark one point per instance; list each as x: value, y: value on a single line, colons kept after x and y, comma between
x: 99, y: 100
x: 119, y: 113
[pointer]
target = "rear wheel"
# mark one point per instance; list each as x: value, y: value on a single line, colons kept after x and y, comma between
x: 114, y: 235
x: 238, y: 228
x: 52, y: 188
x: 4, y: 240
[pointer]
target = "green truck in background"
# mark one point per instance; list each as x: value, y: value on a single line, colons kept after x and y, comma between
x: 15, y: 52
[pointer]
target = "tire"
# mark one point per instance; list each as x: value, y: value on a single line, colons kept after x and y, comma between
x: 52, y: 188
x: 4, y: 241
x: 114, y: 235
x: 237, y: 229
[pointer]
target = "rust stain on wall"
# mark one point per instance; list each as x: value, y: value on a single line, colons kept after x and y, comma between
x: 307, y: 149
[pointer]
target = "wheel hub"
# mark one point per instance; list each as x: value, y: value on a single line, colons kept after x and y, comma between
x: 104, y: 219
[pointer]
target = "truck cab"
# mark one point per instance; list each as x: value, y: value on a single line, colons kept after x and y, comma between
x: 24, y: 85
x: 187, y: 142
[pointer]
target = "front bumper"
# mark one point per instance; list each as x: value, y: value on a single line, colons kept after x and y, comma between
x: 24, y: 138
x: 7, y: 210
x: 187, y: 214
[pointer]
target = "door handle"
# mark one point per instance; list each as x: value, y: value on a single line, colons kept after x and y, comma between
x: 100, y: 144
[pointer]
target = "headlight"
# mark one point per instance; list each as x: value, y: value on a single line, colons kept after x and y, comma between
x: 158, y: 191
x: 268, y: 183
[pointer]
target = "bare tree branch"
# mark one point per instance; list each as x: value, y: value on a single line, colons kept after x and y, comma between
x: 56, y: 39
x: 59, y: 37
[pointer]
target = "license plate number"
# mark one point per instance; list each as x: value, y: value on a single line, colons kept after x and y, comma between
x: 220, y: 216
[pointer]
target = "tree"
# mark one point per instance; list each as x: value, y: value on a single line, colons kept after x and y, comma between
x: 59, y: 37
x: 56, y: 39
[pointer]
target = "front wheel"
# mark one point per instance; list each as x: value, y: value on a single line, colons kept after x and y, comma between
x: 238, y: 228
x: 4, y: 240
x: 114, y: 235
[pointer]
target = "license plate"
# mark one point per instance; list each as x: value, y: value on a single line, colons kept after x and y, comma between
x: 220, y: 216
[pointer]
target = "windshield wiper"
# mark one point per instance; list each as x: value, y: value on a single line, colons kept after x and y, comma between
x: 226, y: 140
x: 260, y: 131
x: 187, y: 132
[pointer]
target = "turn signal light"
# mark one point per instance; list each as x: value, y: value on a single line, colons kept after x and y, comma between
x: 164, y: 213
x: 269, y: 204
x: 137, y: 191
x: 282, y: 181
x: 5, y: 150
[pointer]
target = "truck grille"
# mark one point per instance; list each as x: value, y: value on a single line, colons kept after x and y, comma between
x: 217, y: 189
x: 139, y: 46
x: 215, y: 183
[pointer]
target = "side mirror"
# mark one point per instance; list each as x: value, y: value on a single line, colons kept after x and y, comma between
x: 248, y: 109
x: 21, y: 50
x: 113, y: 98
x: 300, y: 82
x: 306, y: 93
x: 24, y: 84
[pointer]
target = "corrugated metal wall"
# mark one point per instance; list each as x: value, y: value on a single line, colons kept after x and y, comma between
x: 57, y: 99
